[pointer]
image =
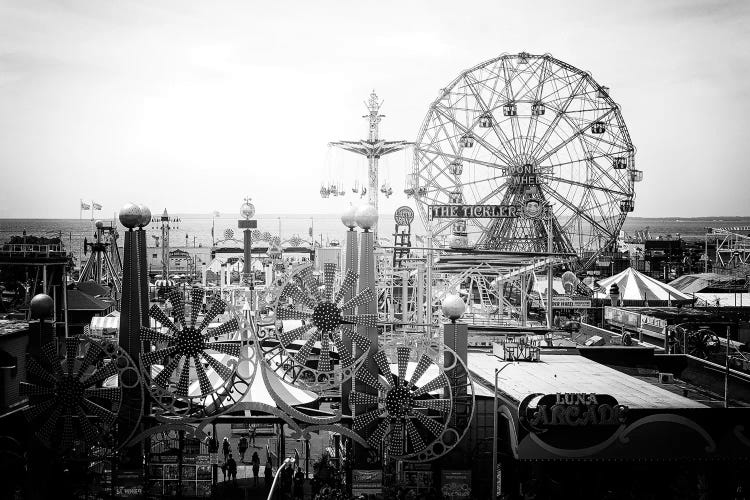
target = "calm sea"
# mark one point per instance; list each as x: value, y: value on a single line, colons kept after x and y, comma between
x: 195, y: 230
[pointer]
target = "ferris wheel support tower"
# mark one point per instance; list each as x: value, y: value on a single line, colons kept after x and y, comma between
x: 372, y: 147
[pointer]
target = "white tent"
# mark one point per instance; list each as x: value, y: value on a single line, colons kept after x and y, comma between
x: 105, y: 325
x: 638, y: 289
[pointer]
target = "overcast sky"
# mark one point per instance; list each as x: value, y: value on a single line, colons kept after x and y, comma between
x: 194, y: 105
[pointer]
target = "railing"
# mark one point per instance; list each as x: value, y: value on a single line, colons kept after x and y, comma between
x: 31, y: 250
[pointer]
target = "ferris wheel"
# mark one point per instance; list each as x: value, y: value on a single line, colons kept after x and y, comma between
x: 528, y: 131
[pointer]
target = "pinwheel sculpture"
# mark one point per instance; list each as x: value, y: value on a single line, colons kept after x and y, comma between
x: 313, y: 328
x: 412, y: 411
x: 192, y: 369
x: 74, y: 403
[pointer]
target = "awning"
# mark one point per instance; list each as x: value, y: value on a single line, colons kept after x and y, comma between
x: 105, y: 324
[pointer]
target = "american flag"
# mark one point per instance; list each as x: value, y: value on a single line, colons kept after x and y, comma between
x: 85, y: 206
x: 96, y: 205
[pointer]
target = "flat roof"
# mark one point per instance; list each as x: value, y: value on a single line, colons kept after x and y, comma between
x: 572, y: 373
x: 10, y: 326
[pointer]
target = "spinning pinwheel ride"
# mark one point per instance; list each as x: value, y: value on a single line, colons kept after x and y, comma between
x: 308, y: 347
x: 423, y: 410
x: 188, y: 373
x: 73, y: 403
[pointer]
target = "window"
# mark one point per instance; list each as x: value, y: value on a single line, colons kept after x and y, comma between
x: 153, y: 255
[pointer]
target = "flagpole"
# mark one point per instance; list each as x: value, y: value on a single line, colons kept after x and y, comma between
x: 92, y: 209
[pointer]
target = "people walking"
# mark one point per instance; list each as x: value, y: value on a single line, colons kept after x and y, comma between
x: 268, y: 474
x: 286, y: 479
x: 242, y: 447
x: 299, y: 484
x: 232, y: 469
x: 255, y: 460
x: 252, y: 430
x: 226, y: 448
x: 213, y: 445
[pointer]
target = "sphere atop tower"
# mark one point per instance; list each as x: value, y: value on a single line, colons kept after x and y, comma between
x: 453, y: 307
x: 99, y: 224
x: 41, y: 306
x: 130, y: 215
x: 349, y: 216
x: 366, y: 216
x: 247, y: 210
x: 145, y: 215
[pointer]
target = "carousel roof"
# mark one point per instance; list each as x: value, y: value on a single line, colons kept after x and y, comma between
x: 635, y: 285
x: 259, y: 392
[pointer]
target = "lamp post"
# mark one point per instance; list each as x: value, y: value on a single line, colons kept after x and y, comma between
x: 494, y: 432
x: 726, y: 373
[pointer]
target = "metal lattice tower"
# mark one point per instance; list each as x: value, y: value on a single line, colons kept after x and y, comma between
x: 372, y: 147
x: 165, y: 245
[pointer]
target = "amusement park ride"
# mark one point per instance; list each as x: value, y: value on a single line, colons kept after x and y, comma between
x: 105, y: 265
x: 523, y: 163
x: 373, y: 148
x: 527, y: 130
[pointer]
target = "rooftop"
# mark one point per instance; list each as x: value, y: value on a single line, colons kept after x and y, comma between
x: 9, y: 326
x: 575, y: 373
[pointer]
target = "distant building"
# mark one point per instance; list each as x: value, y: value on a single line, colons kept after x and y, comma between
x: 664, y: 257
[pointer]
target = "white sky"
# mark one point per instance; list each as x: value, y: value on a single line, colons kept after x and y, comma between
x: 194, y: 105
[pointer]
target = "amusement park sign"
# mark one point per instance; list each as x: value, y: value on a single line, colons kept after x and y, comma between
x: 529, y: 209
x: 572, y: 410
x: 474, y: 211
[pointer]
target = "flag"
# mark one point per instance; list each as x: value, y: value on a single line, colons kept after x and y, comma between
x: 85, y: 206
x: 96, y: 205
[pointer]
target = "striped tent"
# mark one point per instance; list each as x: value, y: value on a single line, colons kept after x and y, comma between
x: 637, y: 289
x: 105, y: 325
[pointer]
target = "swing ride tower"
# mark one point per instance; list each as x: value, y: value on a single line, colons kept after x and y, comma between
x: 373, y: 147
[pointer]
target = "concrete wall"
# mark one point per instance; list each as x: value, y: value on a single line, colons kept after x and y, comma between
x: 587, y: 331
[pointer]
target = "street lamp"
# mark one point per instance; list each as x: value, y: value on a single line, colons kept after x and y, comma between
x: 494, y: 432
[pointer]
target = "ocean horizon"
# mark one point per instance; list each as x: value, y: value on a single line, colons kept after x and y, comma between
x: 195, y: 230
